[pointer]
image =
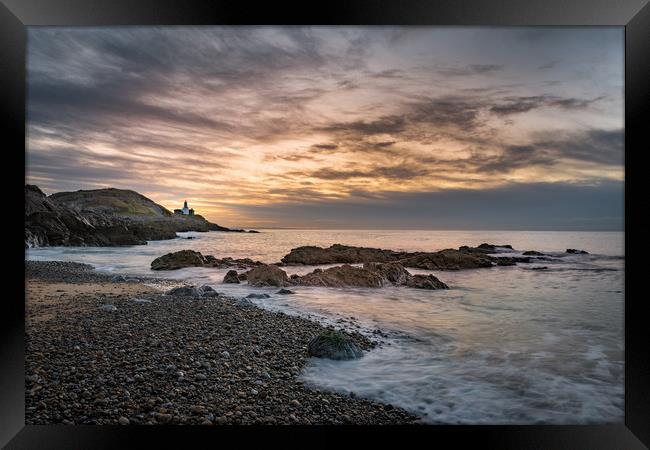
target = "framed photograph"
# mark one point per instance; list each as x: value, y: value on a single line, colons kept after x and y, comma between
x: 385, y: 217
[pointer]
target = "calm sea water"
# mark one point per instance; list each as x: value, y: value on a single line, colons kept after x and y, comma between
x: 506, y: 345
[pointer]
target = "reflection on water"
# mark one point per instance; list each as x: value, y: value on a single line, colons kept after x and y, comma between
x: 503, y: 345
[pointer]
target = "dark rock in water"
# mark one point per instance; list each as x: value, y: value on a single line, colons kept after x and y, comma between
x: 393, y: 272
x: 342, y: 276
x: 337, y: 253
x: 494, y: 246
x: 178, y: 260
x: 258, y: 296
x: 449, y: 259
x: 184, y: 291
x: 285, y: 292
x: 231, y: 277
x: 533, y: 253
x: 333, y: 345
x: 426, y: 282
x: 253, y: 231
x: 539, y: 268
x: 189, y: 237
x: 242, y: 276
x: 511, y: 260
x: 267, y: 275
x: 576, y: 251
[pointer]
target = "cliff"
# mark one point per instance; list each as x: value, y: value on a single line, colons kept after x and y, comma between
x: 102, y: 217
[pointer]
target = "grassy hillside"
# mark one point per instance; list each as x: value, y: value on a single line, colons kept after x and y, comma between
x: 119, y: 202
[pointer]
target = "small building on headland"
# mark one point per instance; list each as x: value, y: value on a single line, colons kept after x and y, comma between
x: 185, y: 211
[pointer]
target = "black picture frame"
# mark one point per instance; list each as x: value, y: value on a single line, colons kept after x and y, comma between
x: 634, y: 15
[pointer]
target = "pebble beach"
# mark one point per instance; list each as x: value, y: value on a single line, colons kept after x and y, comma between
x: 107, y: 350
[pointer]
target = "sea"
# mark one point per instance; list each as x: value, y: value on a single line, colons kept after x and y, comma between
x: 503, y: 345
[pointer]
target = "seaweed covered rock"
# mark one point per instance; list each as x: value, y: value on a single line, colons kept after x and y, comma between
x: 333, y: 345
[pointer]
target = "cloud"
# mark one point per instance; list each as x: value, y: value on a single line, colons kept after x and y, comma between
x: 516, y: 105
x: 472, y: 69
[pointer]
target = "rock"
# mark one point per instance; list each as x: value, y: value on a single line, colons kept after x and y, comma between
x: 162, y: 417
x: 449, y: 259
x: 539, y: 268
x: 337, y: 253
x: 285, y: 292
x: 178, y: 260
x: 245, y: 303
x: 184, y: 291
x: 231, y: 277
x: 140, y: 301
x: 333, y: 345
x: 576, y: 251
x: 123, y: 421
x: 254, y: 392
x: 225, y: 354
x: 532, y: 253
x: 207, y: 291
x: 242, y: 276
x: 426, y: 282
x: 118, y: 278
x: 267, y: 275
x: 258, y: 296
x: 198, y: 409
x: 393, y: 272
x: 109, y: 308
x: 295, y: 403
x: 342, y: 276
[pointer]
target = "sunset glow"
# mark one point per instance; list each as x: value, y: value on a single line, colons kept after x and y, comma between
x: 266, y: 126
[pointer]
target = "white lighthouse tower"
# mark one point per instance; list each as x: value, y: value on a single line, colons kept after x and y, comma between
x: 186, y: 210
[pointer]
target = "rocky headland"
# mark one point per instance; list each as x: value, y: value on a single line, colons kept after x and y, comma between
x: 102, y: 217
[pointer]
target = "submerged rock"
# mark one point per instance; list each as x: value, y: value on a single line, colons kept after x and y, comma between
x: 231, y: 277
x: 258, y: 296
x: 576, y: 251
x: 533, y: 253
x: 267, y: 275
x: 333, y: 345
x: 285, y: 292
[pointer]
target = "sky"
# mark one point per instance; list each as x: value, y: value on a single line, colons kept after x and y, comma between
x: 337, y: 127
